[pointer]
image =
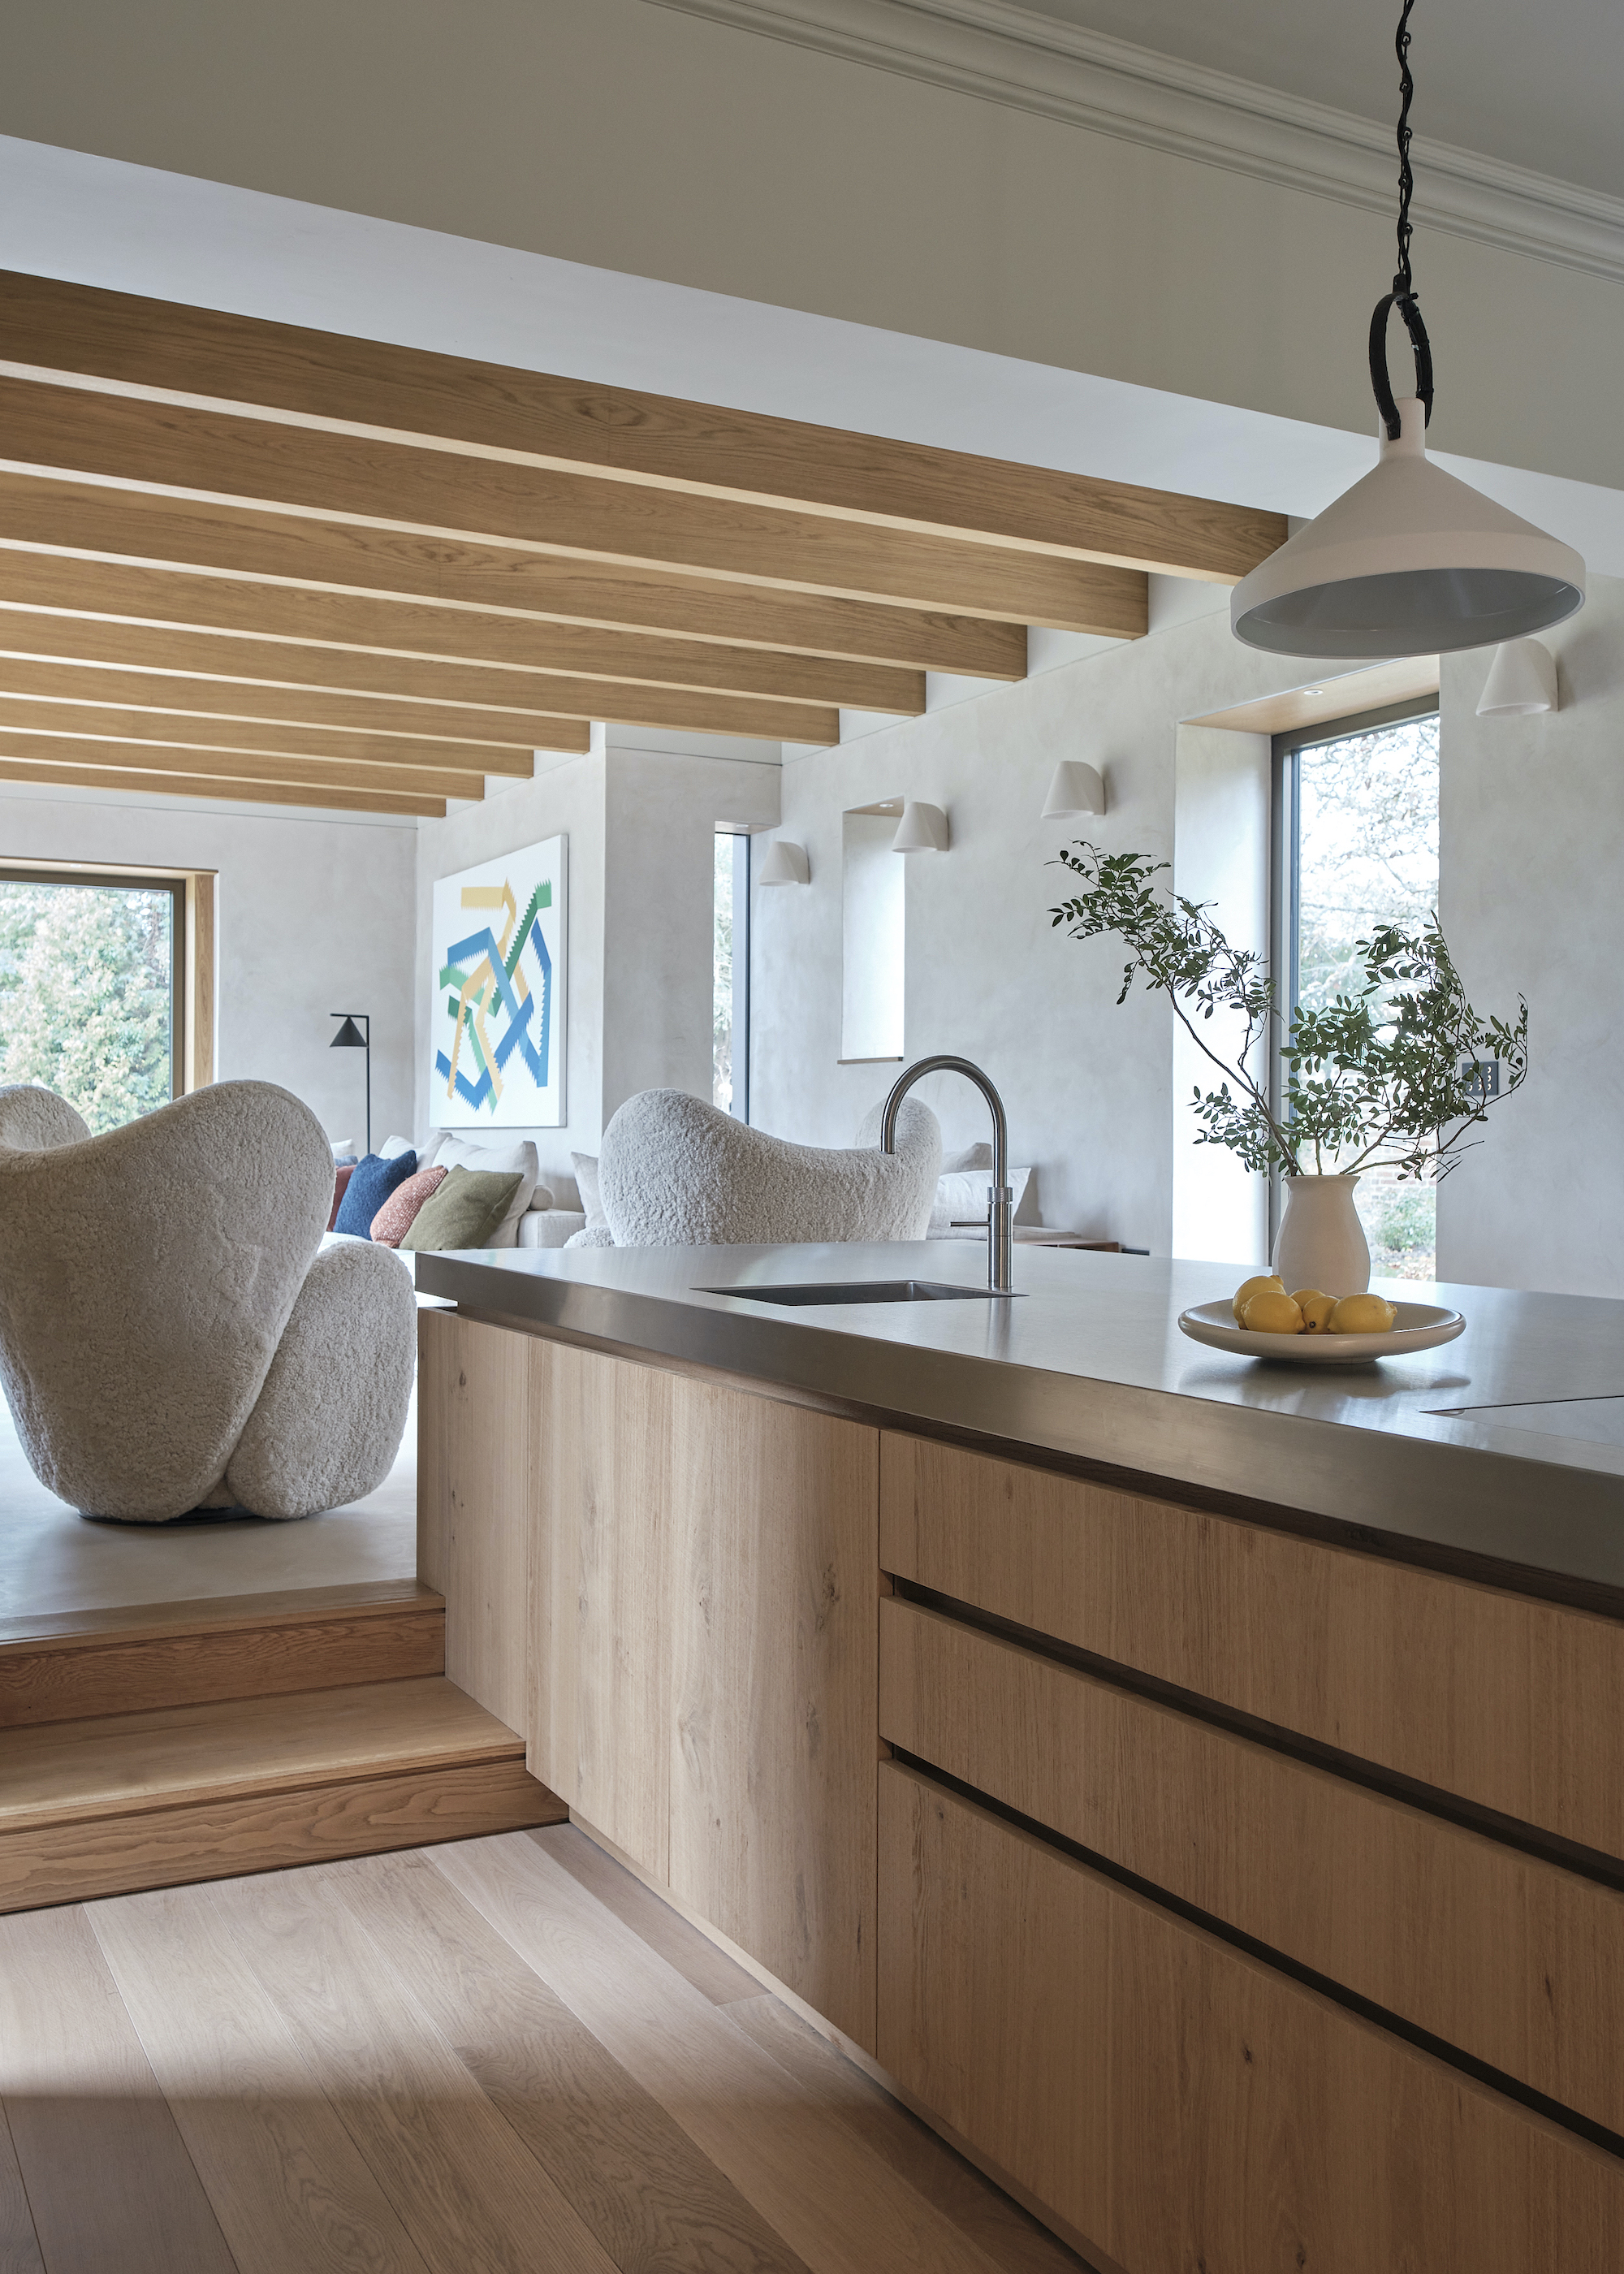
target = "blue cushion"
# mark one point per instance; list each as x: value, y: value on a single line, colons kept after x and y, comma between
x: 370, y: 1186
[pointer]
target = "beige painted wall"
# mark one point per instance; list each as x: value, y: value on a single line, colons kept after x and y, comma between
x: 637, y: 137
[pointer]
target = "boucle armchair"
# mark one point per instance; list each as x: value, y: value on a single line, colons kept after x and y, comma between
x: 172, y: 1334
x: 676, y: 1172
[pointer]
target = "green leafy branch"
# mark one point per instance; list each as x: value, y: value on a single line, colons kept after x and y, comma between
x: 1388, y: 1077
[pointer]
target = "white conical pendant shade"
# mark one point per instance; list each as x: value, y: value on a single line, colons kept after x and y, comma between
x: 1410, y: 561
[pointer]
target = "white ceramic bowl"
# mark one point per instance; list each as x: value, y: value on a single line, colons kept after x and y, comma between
x: 1418, y: 1327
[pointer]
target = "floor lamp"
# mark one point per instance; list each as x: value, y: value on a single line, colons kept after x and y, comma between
x: 350, y: 1038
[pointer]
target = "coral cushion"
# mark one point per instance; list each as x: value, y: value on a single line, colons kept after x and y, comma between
x: 341, y: 1180
x: 393, y: 1219
x: 371, y: 1183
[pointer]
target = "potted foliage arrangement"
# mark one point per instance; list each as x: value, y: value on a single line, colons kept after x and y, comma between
x: 1394, y: 1075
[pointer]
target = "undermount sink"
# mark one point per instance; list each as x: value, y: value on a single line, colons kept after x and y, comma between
x: 861, y: 1291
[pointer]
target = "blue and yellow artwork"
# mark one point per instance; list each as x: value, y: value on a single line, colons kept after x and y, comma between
x: 500, y: 954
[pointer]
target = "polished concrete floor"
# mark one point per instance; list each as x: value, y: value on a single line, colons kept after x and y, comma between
x: 53, y: 1560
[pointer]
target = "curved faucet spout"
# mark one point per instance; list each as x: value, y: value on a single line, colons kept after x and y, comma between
x: 1000, y: 1199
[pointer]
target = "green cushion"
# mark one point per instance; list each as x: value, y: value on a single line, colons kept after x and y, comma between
x: 464, y: 1212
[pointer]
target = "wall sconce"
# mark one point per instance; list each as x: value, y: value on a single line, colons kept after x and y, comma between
x: 1075, y: 788
x: 923, y: 829
x: 785, y: 863
x: 1521, y: 681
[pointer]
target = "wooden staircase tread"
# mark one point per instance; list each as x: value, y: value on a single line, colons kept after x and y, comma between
x: 59, y: 1772
x: 220, y: 1614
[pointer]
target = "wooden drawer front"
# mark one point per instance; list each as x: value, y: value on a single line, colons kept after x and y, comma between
x: 1516, y: 1704
x: 1504, y: 1956
x: 1181, y: 2105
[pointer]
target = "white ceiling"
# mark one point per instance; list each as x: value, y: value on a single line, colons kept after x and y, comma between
x: 1538, y: 83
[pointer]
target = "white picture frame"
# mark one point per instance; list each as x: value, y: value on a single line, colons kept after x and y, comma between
x: 499, y: 991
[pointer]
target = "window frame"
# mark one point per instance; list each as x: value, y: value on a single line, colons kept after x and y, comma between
x: 192, y: 949
x: 1285, y: 879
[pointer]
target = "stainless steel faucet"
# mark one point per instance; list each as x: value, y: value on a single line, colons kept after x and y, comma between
x: 1000, y: 1198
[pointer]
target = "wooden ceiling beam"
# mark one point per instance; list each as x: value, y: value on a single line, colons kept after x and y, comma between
x: 512, y: 737
x: 259, y: 737
x: 35, y: 636
x: 496, y: 740
x: 136, y: 444
x: 205, y: 763
x: 639, y: 438
x: 147, y: 780
x: 115, y: 524
x: 354, y: 620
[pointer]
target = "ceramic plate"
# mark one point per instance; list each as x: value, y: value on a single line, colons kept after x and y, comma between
x: 1419, y: 1326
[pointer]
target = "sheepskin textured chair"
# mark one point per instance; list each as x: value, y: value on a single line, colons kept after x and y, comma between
x: 676, y: 1172
x: 172, y: 1335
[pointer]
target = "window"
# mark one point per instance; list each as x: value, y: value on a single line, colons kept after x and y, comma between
x: 1356, y: 829
x: 92, y: 1000
x: 730, y: 1065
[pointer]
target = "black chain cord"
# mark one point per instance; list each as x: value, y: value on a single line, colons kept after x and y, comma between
x: 1402, y: 297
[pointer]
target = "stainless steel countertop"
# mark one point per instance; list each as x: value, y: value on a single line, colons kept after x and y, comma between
x: 1087, y: 1361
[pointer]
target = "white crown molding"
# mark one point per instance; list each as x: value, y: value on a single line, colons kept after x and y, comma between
x: 1003, y: 53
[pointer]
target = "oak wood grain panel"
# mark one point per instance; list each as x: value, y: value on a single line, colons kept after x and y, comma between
x: 473, y: 1503
x: 57, y: 1771
x: 468, y: 2190
x: 1408, y: 679
x: 1512, y: 1959
x: 19, y: 2243
x: 830, y: 2197
x: 572, y: 422
x: 273, y: 1830
x: 155, y: 722
x: 75, y: 431
x: 38, y: 634
x: 1512, y: 1703
x: 1181, y: 2105
x: 130, y: 525
x: 48, y: 1683
x: 109, y: 2182
x: 198, y: 1068
x: 501, y: 742
x: 629, y: 2172
x: 95, y: 1628
x: 773, y: 1728
x: 289, y: 2185
x: 139, y: 776
x: 601, y: 1618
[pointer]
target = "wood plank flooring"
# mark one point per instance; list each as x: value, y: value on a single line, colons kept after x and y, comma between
x: 500, y: 2057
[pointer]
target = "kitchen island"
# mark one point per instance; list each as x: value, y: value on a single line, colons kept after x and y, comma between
x: 1197, y: 1785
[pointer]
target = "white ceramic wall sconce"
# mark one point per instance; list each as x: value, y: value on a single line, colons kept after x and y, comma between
x: 1521, y: 681
x: 784, y: 862
x: 923, y: 829
x: 1075, y: 788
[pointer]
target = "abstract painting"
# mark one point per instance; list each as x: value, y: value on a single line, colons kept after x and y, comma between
x: 500, y: 954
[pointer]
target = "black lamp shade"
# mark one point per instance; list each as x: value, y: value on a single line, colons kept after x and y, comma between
x: 348, y: 1037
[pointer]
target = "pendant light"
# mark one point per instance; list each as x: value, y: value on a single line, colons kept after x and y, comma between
x: 1410, y: 561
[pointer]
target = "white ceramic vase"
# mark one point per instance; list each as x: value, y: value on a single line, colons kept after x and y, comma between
x: 1321, y: 1242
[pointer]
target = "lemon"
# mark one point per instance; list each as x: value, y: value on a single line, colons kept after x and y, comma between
x: 1316, y: 1309
x: 1362, y: 1315
x: 1248, y: 1288
x: 1271, y: 1312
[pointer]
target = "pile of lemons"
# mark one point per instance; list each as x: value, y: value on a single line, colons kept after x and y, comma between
x: 1263, y: 1306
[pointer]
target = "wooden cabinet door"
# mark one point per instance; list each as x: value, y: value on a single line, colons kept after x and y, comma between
x: 601, y: 1607
x: 1180, y: 2104
x: 773, y: 1601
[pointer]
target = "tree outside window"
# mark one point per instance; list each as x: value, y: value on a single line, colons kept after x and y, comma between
x: 87, y: 995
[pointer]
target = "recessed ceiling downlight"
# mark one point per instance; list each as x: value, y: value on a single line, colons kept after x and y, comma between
x: 1409, y: 561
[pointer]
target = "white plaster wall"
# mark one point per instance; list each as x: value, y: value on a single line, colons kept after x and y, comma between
x: 1221, y: 858
x: 663, y: 807
x: 1088, y: 1086
x: 1530, y: 858
x: 315, y: 914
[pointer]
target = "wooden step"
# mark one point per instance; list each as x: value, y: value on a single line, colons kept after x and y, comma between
x: 112, y: 1803
x: 132, y: 1659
